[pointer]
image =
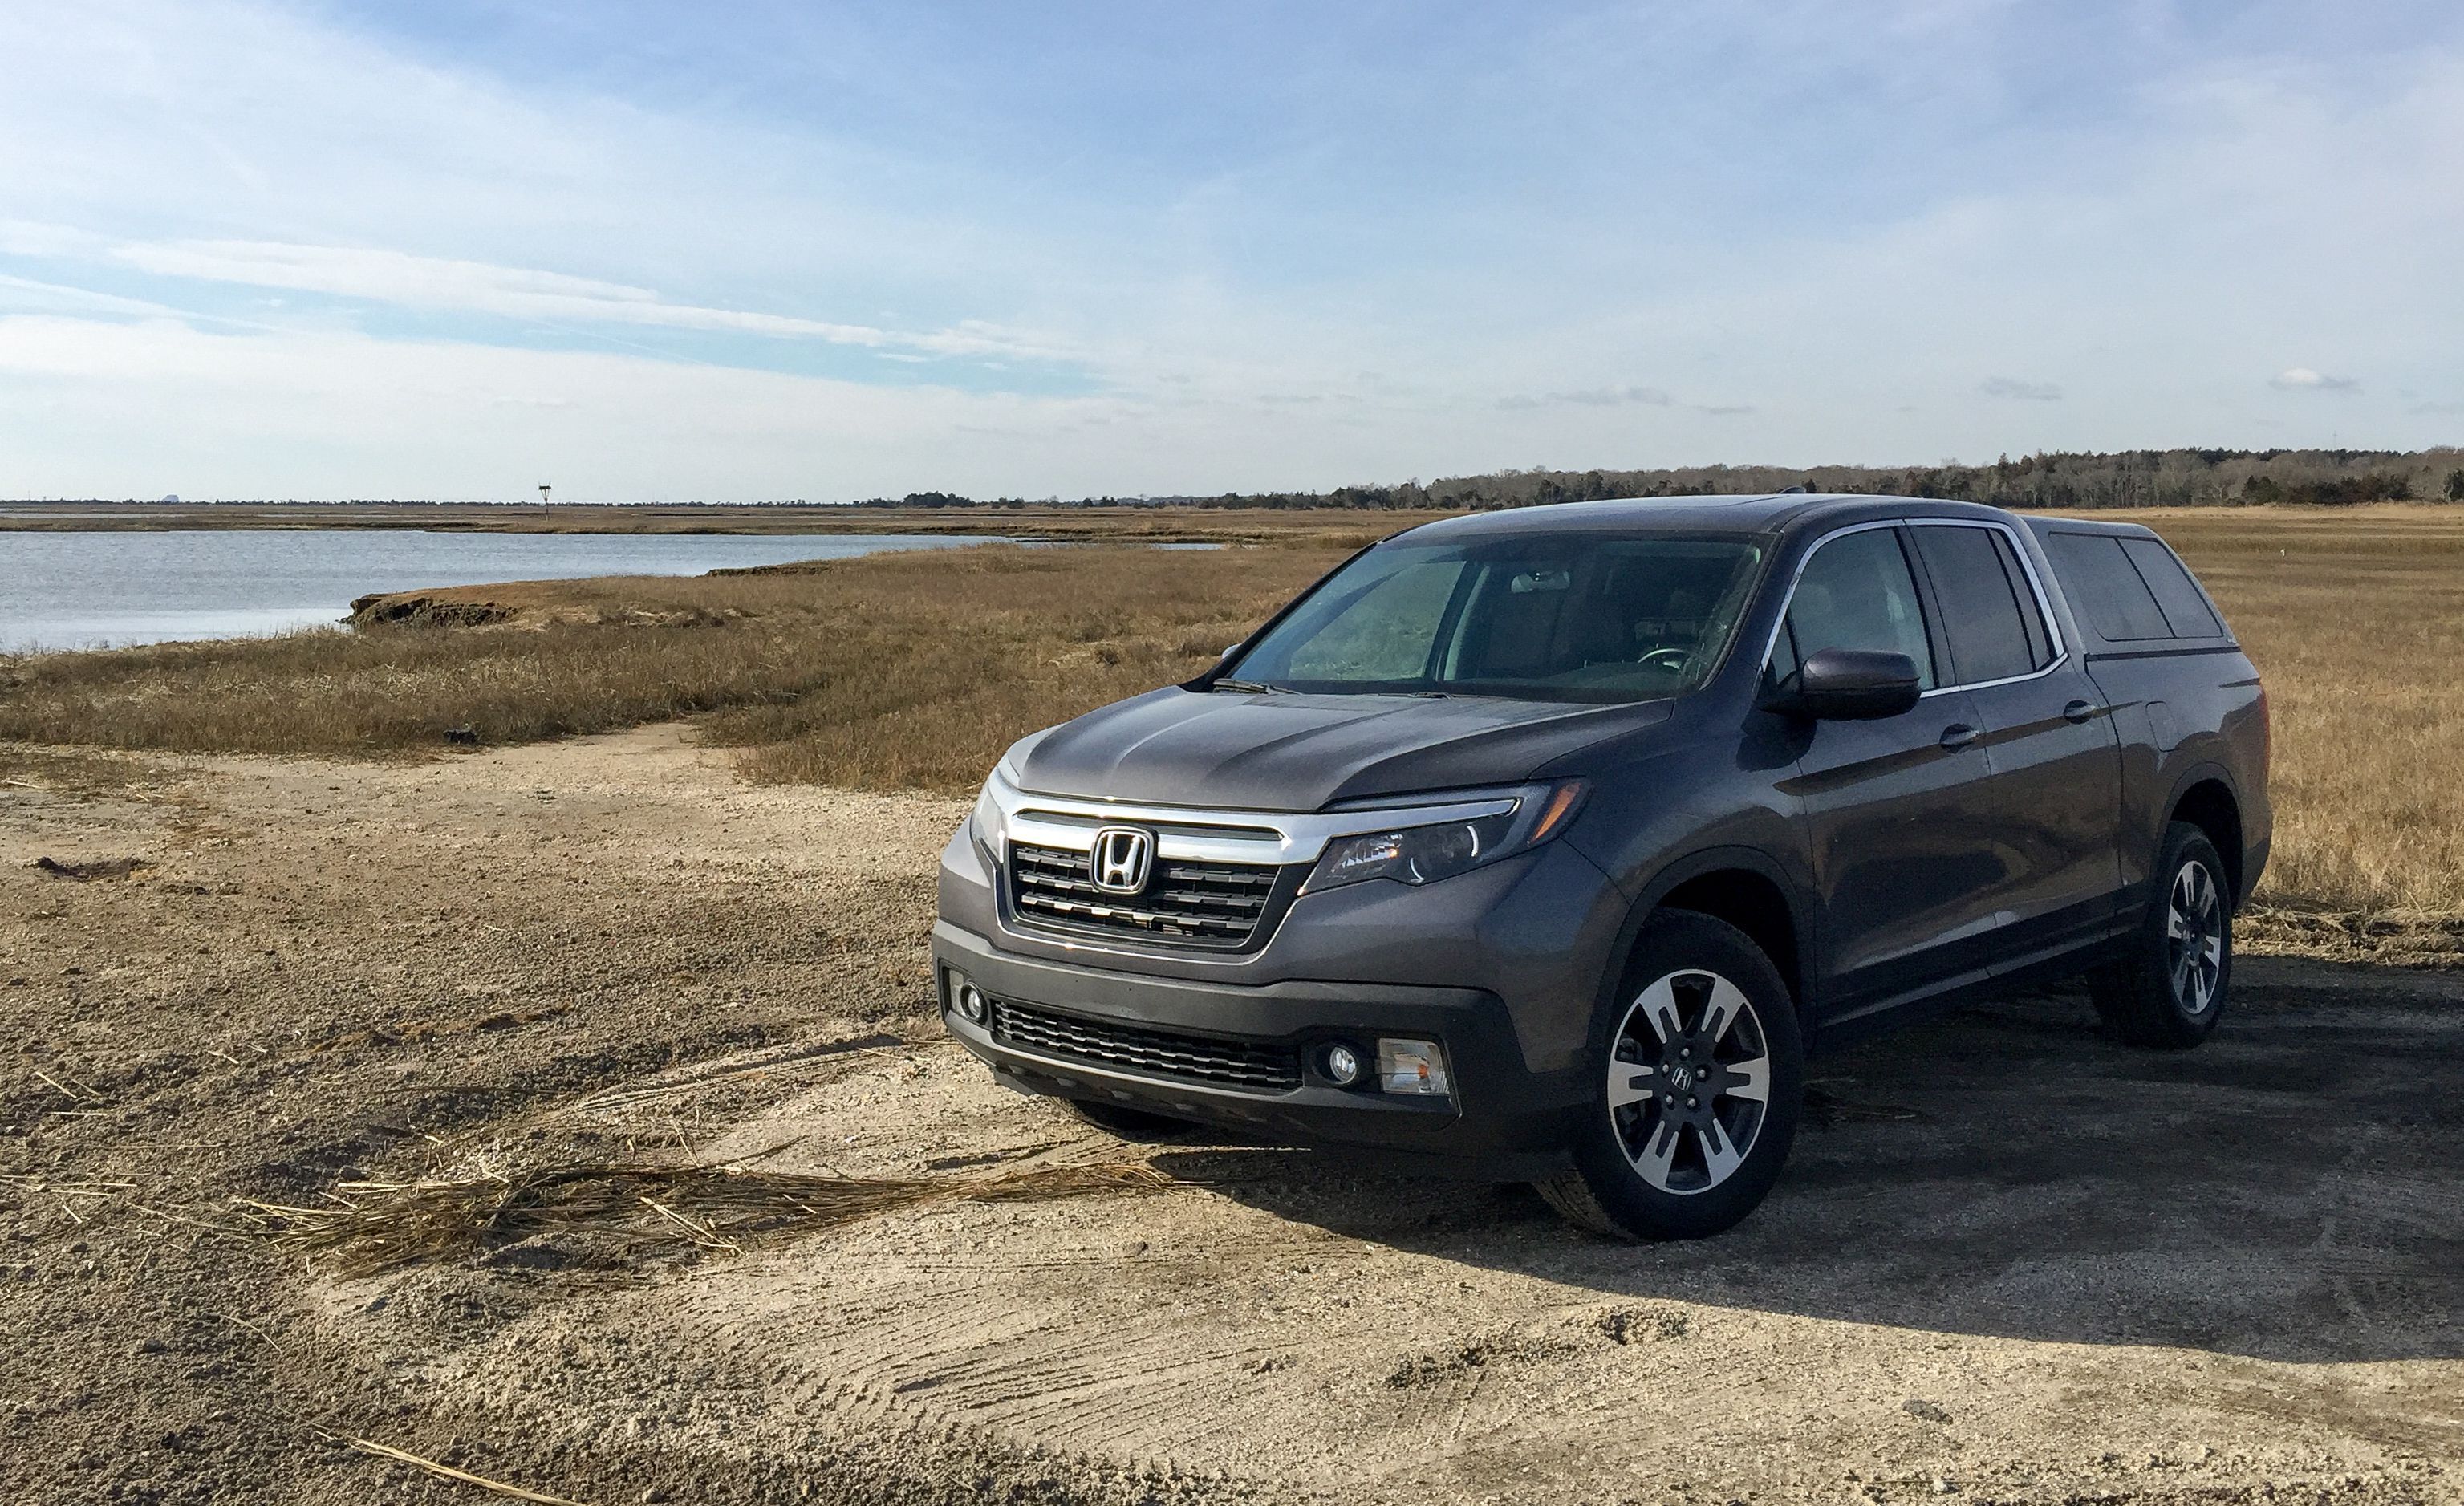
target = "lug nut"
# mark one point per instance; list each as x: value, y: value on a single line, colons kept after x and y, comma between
x: 1693, y: 1103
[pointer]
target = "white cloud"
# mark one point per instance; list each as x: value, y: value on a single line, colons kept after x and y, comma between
x: 2014, y: 390
x: 28, y: 293
x: 1592, y: 397
x: 2302, y: 379
x: 432, y: 282
x: 32, y: 239
x: 140, y: 408
x: 1479, y: 287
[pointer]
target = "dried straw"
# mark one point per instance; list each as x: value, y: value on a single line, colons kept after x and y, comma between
x: 372, y: 1227
x: 387, y: 1450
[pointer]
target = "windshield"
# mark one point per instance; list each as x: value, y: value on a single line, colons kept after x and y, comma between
x: 1545, y: 617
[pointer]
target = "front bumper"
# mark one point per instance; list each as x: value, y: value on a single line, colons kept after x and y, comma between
x: 1500, y: 1114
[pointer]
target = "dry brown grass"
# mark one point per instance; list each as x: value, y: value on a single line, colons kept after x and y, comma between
x: 69, y: 771
x: 364, y: 1227
x: 895, y: 671
x: 915, y: 671
x: 2356, y: 619
x: 962, y: 655
x: 329, y: 691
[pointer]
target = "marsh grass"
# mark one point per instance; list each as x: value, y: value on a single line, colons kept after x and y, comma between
x: 72, y: 771
x: 916, y: 669
x: 893, y: 671
x: 364, y: 1227
x: 2355, y: 618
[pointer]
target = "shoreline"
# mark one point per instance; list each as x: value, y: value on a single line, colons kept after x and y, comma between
x: 1175, y: 525
x: 1048, y: 525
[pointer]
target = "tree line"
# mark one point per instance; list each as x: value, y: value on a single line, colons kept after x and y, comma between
x: 2055, y: 481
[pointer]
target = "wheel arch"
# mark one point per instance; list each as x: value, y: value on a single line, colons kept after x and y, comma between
x: 1747, y: 889
x: 2205, y: 797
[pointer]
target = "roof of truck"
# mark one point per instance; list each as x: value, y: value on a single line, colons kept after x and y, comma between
x: 2044, y: 524
x: 1746, y: 513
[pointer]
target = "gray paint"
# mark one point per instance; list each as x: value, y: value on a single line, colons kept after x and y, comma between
x: 1913, y: 865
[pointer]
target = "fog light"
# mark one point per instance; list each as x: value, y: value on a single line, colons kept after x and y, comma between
x: 971, y: 999
x: 1414, y: 1068
x: 1342, y: 1066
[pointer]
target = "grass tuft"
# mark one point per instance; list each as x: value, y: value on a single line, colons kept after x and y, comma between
x: 372, y: 1227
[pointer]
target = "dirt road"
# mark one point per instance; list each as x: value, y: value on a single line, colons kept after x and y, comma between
x: 2012, y: 1262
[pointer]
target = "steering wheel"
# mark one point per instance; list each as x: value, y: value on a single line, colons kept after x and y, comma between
x: 1676, y: 661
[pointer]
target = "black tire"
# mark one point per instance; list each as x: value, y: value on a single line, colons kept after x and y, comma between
x: 1125, y: 1121
x: 1666, y: 1164
x: 2167, y: 990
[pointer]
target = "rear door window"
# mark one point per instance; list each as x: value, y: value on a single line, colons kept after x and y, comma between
x: 2185, y: 608
x: 2110, y: 593
x: 1982, y: 620
x: 1858, y: 592
x: 2032, y: 614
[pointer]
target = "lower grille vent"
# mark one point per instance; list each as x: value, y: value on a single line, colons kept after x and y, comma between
x: 1165, y: 1053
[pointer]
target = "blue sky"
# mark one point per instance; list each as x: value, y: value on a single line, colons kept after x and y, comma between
x: 650, y: 251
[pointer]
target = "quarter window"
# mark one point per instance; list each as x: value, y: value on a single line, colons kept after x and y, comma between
x: 2184, y: 606
x: 1858, y: 592
x: 2108, y: 589
x: 1983, y: 618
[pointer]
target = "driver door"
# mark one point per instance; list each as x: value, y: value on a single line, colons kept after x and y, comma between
x: 1893, y: 807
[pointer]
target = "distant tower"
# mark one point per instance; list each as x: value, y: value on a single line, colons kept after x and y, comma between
x: 542, y: 499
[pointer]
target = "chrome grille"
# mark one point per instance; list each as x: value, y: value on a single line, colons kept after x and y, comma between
x: 1165, y: 1053
x: 1214, y: 904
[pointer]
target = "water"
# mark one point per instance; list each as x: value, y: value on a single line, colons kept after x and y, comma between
x: 80, y: 591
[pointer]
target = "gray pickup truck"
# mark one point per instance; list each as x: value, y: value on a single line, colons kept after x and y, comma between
x: 1555, y: 840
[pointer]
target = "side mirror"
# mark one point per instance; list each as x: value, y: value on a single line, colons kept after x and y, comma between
x: 1229, y: 649
x: 1847, y: 685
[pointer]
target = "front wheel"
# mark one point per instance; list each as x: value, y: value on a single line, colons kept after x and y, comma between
x: 2167, y: 990
x: 1701, y: 1078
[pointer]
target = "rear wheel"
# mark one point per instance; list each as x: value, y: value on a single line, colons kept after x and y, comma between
x: 1125, y: 1121
x: 1701, y: 1079
x: 2167, y: 990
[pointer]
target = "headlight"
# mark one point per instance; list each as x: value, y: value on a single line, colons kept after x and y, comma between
x: 1426, y: 853
x: 990, y: 829
x: 985, y: 821
x: 1415, y: 856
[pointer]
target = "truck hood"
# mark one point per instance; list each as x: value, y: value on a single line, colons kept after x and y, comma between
x: 1299, y: 752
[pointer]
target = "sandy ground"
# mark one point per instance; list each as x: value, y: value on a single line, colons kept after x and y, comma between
x: 2012, y: 1261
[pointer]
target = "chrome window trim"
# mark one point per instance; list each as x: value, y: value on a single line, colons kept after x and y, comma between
x: 2018, y: 549
x: 1069, y: 823
x: 1779, y: 623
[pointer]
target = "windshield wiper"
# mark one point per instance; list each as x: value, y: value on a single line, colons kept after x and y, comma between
x: 1250, y: 686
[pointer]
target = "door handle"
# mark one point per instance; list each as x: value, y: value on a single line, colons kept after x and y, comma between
x: 1958, y: 735
x: 2081, y: 711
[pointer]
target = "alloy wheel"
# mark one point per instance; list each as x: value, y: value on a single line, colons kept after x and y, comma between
x: 1689, y: 1081
x: 2195, y: 938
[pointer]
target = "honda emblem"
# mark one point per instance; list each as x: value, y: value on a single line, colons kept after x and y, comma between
x: 1120, y: 859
